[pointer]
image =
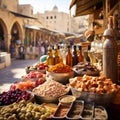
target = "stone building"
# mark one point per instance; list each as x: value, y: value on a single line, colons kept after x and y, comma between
x: 11, y: 5
x: 18, y: 24
x: 10, y: 28
x: 26, y: 9
x: 56, y: 20
x: 15, y: 28
x: 62, y: 22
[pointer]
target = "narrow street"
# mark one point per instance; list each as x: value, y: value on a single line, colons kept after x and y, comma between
x: 13, y: 73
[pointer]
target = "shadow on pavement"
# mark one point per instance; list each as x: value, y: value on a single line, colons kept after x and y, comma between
x: 14, y: 72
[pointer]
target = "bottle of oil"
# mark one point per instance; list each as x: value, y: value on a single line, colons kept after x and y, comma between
x: 110, y: 53
x: 74, y: 56
x: 80, y: 55
x: 50, y: 59
x: 86, y: 57
x: 56, y: 55
x: 69, y: 59
x: 59, y: 53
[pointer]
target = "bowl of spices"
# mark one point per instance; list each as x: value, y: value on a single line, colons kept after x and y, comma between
x: 67, y: 99
x: 60, y: 73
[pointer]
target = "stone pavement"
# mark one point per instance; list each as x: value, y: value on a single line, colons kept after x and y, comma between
x: 13, y: 72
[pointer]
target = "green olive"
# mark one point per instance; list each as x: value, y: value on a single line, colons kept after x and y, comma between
x: 10, y: 118
x: 22, y: 117
x: 43, y: 117
x: 23, y: 110
x: 6, y: 115
x: 33, y: 113
x: 1, y: 118
x: 28, y: 114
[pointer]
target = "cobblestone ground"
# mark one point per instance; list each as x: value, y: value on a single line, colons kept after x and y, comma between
x: 13, y: 73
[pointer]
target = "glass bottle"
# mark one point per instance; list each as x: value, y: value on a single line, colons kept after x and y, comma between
x: 110, y: 53
x: 69, y: 57
x: 59, y: 54
x: 87, y: 58
x: 56, y: 55
x: 50, y: 59
x: 74, y: 56
x: 80, y: 55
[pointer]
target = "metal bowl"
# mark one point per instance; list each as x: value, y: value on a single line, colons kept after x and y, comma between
x: 46, y: 99
x: 99, y: 99
x: 59, y: 77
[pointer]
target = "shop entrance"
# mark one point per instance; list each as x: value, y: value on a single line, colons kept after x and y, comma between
x: 15, y: 40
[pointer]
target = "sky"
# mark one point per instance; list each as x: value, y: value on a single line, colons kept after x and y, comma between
x: 42, y: 5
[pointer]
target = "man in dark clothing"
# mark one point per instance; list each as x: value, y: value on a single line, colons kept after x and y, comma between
x: 21, y: 52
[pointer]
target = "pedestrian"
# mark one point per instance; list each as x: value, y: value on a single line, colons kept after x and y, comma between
x: 42, y: 49
x: 13, y: 50
x: 21, y: 52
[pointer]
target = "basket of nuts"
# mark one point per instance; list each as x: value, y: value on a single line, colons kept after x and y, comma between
x: 93, y: 89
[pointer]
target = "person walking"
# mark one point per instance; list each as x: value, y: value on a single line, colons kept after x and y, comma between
x: 13, y: 50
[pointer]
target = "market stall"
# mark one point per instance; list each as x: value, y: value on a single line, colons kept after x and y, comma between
x: 60, y: 92
x: 71, y: 90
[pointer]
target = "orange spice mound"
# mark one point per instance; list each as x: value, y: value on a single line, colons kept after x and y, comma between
x: 60, y: 68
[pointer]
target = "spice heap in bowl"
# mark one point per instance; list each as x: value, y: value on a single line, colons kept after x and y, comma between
x: 60, y: 73
x: 67, y: 99
x: 50, y: 91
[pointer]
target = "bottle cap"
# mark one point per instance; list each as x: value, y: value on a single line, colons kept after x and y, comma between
x: 80, y: 47
x: 55, y: 46
x: 68, y: 46
x: 74, y: 46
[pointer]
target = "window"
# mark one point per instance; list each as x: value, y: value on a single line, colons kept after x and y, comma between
x: 51, y: 17
x: 47, y: 17
x: 54, y: 17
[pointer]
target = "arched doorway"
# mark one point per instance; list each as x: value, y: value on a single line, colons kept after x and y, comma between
x: 15, y: 39
x: 15, y: 33
x: 3, y: 36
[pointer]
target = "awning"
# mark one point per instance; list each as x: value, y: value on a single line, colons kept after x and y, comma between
x: 32, y: 27
x: 43, y: 29
x: 73, y: 37
x: 85, y: 7
x: 52, y: 32
x: 21, y: 15
x: 67, y: 34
